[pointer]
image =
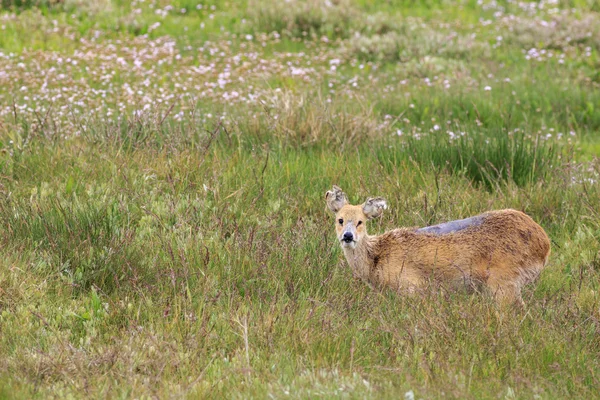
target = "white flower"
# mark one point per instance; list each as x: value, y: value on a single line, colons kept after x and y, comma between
x: 487, y: 88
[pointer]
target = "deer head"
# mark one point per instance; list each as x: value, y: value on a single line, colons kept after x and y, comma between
x: 350, y: 220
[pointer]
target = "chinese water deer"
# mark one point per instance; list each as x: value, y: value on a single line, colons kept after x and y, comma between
x: 498, y: 250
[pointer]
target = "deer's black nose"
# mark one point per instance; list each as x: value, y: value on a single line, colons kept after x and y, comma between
x: 348, y: 237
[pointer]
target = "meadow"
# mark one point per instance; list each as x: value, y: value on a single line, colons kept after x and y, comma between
x: 163, y: 166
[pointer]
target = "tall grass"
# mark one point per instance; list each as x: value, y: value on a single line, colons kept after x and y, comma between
x: 312, y: 18
x: 89, y: 243
x: 488, y: 157
x: 198, y: 256
x: 24, y: 4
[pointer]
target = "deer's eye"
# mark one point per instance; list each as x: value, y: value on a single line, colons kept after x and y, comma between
x: 341, y: 221
x: 359, y: 222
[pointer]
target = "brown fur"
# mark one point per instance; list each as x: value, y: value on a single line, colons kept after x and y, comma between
x: 503, y: 252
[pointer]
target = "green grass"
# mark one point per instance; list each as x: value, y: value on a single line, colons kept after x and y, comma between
x: 162, y: 197
x: 488, y: 157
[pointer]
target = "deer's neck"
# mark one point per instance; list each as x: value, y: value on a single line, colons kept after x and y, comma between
x: 361, y: 257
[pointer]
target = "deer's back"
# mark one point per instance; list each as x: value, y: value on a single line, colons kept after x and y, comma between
x: 505, y: 242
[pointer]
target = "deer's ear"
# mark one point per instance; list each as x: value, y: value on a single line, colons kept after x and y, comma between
x: 336, y: 199
x: 373, y: 208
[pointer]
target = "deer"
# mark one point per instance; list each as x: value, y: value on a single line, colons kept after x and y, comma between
x: 498, y: 251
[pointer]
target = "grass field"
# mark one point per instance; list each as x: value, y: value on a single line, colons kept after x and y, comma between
x: 163, y: 166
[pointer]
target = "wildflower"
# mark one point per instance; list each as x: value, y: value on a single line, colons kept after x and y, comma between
x: 153, y: 26
x: 487, y: 88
